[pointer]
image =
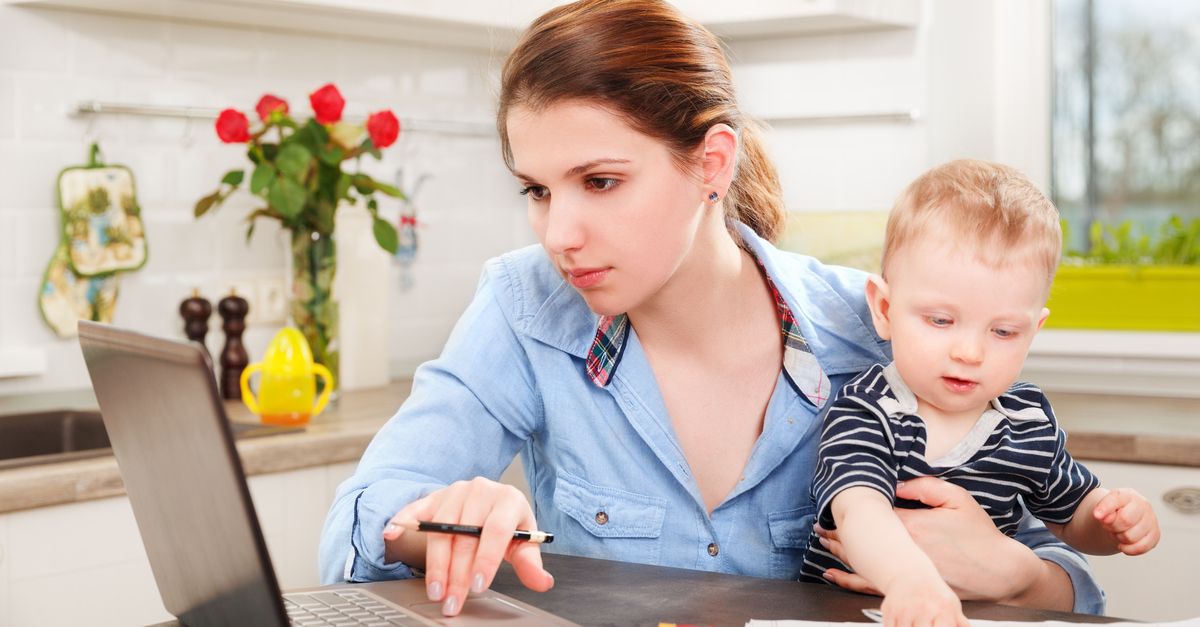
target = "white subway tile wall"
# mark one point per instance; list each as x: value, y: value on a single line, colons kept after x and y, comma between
x: 52, y: 59
x: 469, y: 211
x: 8, y: 107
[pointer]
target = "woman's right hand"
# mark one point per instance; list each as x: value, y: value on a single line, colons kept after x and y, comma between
x: 455, y: 564
x: 975, y: 559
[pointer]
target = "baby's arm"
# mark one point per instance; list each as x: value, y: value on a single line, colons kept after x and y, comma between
x: 1111, y: 521
x: 1104, y: 521
x: 879, y: 548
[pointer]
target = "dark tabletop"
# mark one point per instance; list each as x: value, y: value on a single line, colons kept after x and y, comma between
x: 603, y: 592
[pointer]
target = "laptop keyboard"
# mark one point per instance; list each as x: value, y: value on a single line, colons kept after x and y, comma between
x: 344, y: 607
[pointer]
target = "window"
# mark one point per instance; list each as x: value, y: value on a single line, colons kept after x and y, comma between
x: 1126, y: 121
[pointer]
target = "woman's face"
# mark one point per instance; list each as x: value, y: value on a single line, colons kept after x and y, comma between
x: 614, y: 212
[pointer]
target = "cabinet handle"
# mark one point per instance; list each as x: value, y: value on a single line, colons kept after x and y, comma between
x: 1183, y: 500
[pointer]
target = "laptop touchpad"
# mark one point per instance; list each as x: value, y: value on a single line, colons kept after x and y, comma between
x: 478, y: 611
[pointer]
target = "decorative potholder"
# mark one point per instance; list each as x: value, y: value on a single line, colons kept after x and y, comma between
x: 102, y: 236
x: 102, y: 224
x: 66, y: 297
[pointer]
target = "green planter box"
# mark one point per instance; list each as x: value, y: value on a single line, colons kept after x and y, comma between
x: 1146, y: 298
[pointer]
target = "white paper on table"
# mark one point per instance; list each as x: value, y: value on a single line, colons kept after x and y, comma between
x: 1191, y: 622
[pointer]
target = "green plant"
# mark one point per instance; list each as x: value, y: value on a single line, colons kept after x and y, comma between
x: 1177, y: 243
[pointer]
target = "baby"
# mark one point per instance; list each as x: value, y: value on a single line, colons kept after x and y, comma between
x: 970, y: 253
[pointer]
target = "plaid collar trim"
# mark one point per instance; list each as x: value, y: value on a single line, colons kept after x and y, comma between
x: 607, y: 347
x: 800, y: 365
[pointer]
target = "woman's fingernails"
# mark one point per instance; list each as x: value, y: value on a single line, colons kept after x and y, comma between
x: 823, y: 541
x: 450, y: 606
x: 434, y: 590
x: 391, y: 528
x: 477, y: 583
x: 826, y: 575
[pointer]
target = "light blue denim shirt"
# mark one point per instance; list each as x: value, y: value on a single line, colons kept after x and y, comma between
x: 606, y: 473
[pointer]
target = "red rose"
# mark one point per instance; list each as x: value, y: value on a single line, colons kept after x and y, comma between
x: 384, y: 128
x: 327, y: 103
x: 269, y: 103
x: 233, y: 127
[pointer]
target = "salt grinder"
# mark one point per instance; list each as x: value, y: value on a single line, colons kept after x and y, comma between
x: 196, y: 311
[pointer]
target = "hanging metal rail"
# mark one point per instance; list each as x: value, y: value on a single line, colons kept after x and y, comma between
x: 443, y: 127
x: 900, y: 117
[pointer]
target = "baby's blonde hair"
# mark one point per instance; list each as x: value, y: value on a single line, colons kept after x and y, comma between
x: 991, y: 206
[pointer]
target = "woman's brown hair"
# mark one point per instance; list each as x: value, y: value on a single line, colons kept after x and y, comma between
x: 666, y: 75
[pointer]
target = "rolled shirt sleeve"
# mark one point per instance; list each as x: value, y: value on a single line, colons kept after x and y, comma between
x: 463, y: 419
x: 1089, y: 597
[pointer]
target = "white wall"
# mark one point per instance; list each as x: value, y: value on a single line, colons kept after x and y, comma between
x: 973, y: 101
x: 977, y: 72
x: 50, y: 59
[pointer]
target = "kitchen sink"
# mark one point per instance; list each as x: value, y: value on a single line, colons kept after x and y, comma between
x: 51, y: 436
x: 64, y: 435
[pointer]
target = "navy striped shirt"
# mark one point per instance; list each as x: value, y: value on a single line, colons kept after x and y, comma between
x: 1014, y: 455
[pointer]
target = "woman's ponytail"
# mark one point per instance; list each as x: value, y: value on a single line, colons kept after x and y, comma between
x: 755, y: 197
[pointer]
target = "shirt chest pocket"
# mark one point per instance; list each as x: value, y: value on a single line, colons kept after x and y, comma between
x: 790, y: 532
x: 619, y: 524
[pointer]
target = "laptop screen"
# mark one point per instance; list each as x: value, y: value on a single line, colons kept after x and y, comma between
x: 184, y: 478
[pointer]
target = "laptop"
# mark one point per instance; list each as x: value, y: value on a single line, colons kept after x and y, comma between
x: 175, y: 450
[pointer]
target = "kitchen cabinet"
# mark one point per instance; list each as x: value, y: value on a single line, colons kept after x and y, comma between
x: 1160, y: 585
x: 91, y: 552
x: 495, y: 24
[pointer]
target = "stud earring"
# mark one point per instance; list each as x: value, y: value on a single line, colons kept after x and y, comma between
x: 713, y: 197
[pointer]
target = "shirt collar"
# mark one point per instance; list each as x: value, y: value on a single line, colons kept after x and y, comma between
x: 800, y: 365
x: 902, y: 402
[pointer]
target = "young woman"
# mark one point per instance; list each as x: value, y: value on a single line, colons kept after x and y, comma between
x: 657, y: 362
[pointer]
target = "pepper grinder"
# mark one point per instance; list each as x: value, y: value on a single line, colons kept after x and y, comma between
x: 196, y: 311
x: 233, y: 310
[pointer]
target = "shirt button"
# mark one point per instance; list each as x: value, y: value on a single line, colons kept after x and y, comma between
x: 713, y: 550
x: 601, y: 518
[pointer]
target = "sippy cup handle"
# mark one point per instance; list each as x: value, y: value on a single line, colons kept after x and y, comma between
x: 323, y: 399
x: 247, y: 397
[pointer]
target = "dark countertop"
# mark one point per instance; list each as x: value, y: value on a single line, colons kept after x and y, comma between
x: 603, y: 592
x: 595, y: 592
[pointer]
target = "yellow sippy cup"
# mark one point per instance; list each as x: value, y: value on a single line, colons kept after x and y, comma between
x: 287, y: 388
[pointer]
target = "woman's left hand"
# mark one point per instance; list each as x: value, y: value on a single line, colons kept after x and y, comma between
x: 972, y: 555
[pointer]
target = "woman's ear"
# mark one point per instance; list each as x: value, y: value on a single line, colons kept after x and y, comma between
x: 879, y: 300
x: 720, y: 156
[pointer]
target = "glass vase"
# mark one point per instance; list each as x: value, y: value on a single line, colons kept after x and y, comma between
x: 313, y: 308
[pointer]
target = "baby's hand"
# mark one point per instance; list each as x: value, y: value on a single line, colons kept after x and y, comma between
x: 1129, y: 519
x: 915, y: 602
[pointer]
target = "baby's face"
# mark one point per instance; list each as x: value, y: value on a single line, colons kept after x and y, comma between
x: 961, y: 328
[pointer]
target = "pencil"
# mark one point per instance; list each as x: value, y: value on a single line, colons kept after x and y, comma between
x: 537, y: 537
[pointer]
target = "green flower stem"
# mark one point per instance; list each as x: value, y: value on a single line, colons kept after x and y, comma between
x: 314, y: 311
